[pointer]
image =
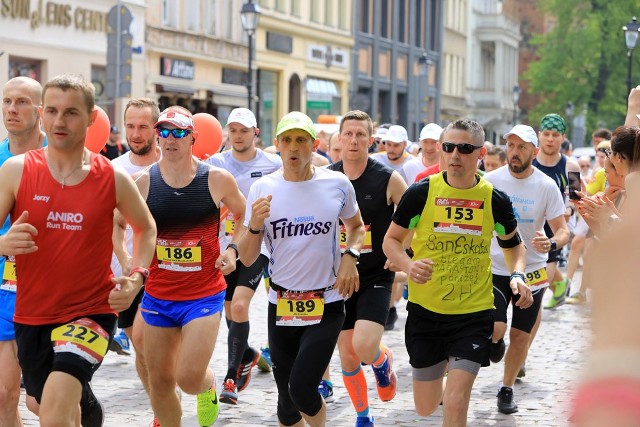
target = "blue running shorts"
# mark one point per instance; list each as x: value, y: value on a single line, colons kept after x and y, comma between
x: 7, y: 308
x: 175, y: 314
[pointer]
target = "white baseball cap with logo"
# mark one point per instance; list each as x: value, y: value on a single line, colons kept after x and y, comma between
x: 431, y: 131
x: 396, y: 133
x: 526, y: 133
x: 380, y: 133
x: 244, y: 116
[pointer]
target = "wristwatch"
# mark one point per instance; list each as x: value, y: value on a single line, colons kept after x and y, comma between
x: 353, y: 252
x: 143, y: 272
x: 552, y: 245
x: 234, y: 247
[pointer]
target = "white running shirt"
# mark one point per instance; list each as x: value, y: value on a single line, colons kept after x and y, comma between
x: 245, y: 173
x: 302, y: 232
x: 534, y: 199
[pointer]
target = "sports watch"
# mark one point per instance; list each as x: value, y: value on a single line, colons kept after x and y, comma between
x: 353, y: 252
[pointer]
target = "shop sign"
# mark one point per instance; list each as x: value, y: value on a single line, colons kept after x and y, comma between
x: 54, y: 14
x: 177, y: 68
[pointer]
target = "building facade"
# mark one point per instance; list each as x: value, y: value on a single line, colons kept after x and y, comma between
x: 43, y: 39
x: 303, y: 59
x: 492, y: 65
x: 454, y: 59
x: 396, y: 73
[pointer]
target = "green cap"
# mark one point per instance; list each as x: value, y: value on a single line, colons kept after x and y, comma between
x: 296, y: 120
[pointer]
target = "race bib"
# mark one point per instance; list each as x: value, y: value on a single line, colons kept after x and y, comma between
x: 9, y: 280
x: 459, y: 216
x: 179, y: 255
x: 299, y: 309
x: 537, y: 279
x: 82, y: 337
x: 229, y: 225
x: 366, y: 247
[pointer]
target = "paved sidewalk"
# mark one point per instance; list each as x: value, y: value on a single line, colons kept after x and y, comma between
x: 543, y: 396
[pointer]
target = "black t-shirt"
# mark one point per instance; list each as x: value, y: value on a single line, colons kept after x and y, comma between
x: 113, y: 151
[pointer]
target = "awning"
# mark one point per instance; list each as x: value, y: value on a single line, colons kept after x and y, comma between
x: 182, y: 90
x: 320, y: 89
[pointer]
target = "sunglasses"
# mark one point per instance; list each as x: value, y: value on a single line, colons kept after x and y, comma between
x: 449, y: 147
x: 606, y: 152
x: 177, y: 133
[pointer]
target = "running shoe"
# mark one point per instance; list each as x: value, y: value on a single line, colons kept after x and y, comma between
x: 496, y: 351
x: 326, y: 390
x: 244, y: 372
x: 264, y: 364
x: 559, y: 295
x: 229, y: 392
x: 120, y: 344
x: 365, y: 421
x: 392, y: 317
x: 506, y: 405
x: 207, y: 407
x: 91, y: 410
x: 578, y: 298
x: 385, y: 378
x: 155, y: 423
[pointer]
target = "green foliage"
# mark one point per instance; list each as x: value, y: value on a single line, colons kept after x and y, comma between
x: 583, y: 60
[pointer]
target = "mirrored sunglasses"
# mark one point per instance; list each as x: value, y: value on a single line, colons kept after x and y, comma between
x: 177, y: 133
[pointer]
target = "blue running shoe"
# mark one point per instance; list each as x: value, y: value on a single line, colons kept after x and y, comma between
x: 120, y: 344
x: 264, y: 364
x: 326, y: 390
x: 365, y: 421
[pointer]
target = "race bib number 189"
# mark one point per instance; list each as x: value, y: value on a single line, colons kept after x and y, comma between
x: 299, y: 309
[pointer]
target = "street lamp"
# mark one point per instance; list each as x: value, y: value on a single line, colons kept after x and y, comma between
x: 249, y: 15
x: 631, y: 38
x: 515, y: 97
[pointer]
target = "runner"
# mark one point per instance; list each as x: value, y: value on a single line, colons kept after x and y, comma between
x: 296, y: 211
x: 454, y: 214
x: 63, y: 196
x: 21, y: 117
x: 535, y: 199
x: 246, y: 163
x: 378, y: 190
x: 185, y: 293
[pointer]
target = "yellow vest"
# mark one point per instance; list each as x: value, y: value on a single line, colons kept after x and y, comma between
x: 455, y: 232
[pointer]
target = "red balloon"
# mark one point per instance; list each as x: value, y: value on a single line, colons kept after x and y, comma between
x: 98, y: 132
x: 209, y: 135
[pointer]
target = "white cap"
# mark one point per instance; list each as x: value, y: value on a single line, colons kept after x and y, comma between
x: 526, y: 133
x: 396, y: 133
x: 431, y: 131
x: 380, y: 133
x: 244, y: 116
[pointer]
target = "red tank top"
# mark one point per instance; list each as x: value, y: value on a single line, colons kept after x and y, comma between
x: 69, y: 276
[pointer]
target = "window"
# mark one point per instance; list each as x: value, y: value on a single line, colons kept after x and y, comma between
x: 420, y: 28
x: 281, y: 6
x: 211, y: 17
x: 295, y: 8
x: 343, y: 16
x: 329, y: 13
x: 403, y: 13
x: 366, y: 16
x: 315, y: 11
x: 386, y: 20
x: 192, y: 15
x: 170, y: 13
x: 25, y: 67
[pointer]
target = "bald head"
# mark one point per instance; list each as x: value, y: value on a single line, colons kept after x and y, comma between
x: 28, y: 86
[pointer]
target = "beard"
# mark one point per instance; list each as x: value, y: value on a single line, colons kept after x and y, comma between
x: 525, y: 164
x: 142, y: 150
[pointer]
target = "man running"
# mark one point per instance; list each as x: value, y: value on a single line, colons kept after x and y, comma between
x: 378, y: 190
x: 247, y: 164
x: 454, y: 215
x: 21, y: 97
x: 535, y: 199
x: 185, y: 293
x: 296, y: 211
x: 63, y: 196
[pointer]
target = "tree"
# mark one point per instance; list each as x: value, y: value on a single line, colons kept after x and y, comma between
x: 583, y: 60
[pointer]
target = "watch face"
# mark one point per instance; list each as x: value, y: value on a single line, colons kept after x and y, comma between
x: 355, y: 252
